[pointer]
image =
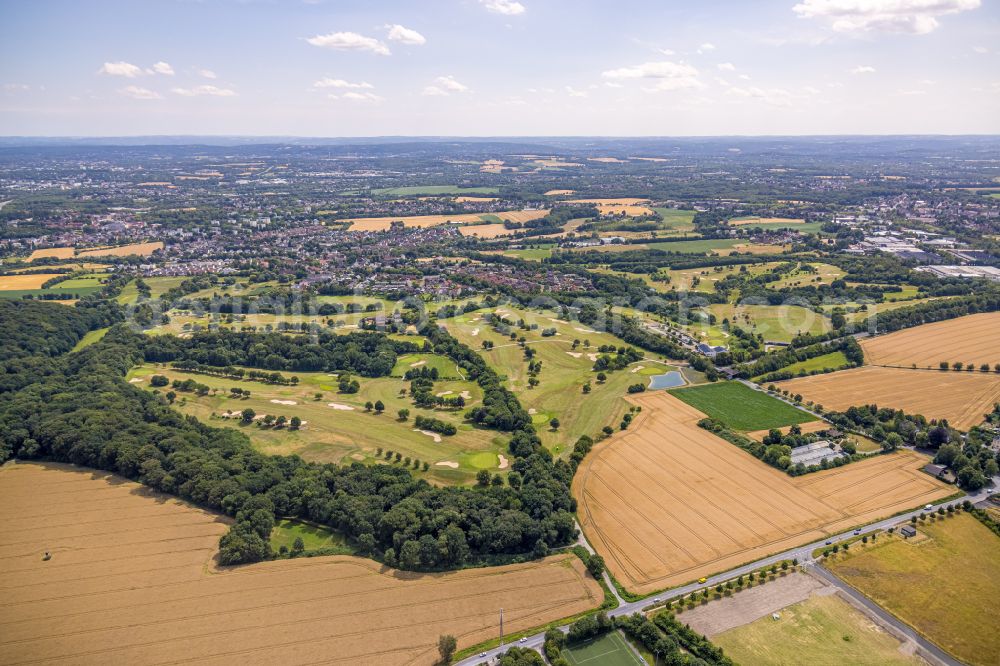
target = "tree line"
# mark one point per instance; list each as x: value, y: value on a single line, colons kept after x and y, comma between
x: 81, y: 410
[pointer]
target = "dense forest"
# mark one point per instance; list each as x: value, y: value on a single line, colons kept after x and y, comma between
x: 79, y: 409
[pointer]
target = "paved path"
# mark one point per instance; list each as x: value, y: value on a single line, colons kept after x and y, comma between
x: 802, y: 553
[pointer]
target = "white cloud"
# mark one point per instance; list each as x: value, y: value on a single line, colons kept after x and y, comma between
x: 573, y: 92
x: 505, y: 7
x: 135, y: 92
x: 120, y: 68
x: 349, y: 41
x: 207, y: 73
x: 16, y: 87
x: 915, y: 17
x: 669, y: 75
x: 666, y: 85
x: 398, y: 33
x: 327, y: 82
x: 772, y: 96
x: 863, y: 69
x: 706, y: 47
x: 443, y: 86
x: 981, y: 50
x: 726, y: 66
x: 357, y: 97
x: 663, y: 69
x: 163, y: 68
x: 612, y: 84
x: 198, y: 91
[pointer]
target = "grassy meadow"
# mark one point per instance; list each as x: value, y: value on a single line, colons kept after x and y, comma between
x: 944, y: 583
x: 820, y: 631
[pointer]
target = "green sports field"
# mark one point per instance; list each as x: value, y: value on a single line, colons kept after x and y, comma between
x: 607, y: 650
x: 741, y: 407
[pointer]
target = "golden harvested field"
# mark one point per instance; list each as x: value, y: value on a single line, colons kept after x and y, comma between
x: 142, y: 249
x: 559, y: 193
x: 972, y: 339
x: 631, y: 206
x: 665, y: 510
x: 486, y: 230
x: 961, y: 397
x: 384, y: 223
x: 131, y: 581
x: 57, y: 252
x: 475, y: 199
x: 809, y: 426
x: 32, y: 281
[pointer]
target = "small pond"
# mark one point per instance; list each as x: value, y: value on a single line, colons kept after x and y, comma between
x: 671, y: 379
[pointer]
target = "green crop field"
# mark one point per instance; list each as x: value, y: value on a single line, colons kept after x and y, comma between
x: 944, y: 583
x: 803, y: 227
x: 821, y: 631
x: 676, y: 220
x: 611, y: 649
x: 430, y: 190
x: 833, y: 360
x: 741, y: 407
x: 338, y: 429
x: 531, y: 253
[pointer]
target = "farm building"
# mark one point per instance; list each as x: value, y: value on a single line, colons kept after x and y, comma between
x: 908, y: 531
x: 815, y: 453
x: 940, y: 472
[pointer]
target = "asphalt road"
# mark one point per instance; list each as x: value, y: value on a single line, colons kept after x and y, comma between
x: 802, y: 553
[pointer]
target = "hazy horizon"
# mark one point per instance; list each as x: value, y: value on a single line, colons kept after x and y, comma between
x: 489, y: 68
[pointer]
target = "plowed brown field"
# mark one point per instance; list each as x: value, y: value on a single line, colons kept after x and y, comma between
x: 131, y: 581
x: 666, y: 502
x: 973, y: 339
x: 961, y: 397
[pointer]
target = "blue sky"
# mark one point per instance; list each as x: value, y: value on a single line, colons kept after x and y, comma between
x: 499, y: 67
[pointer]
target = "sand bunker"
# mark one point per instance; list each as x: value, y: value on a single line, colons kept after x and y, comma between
x: 447, y: 463
x: 284, y: 402
x: 339, y: 406
x: 436, y: 437
x: 503, y: 461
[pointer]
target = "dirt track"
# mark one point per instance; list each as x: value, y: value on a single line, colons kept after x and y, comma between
x: 131, y: 581
x: 666, y: 502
